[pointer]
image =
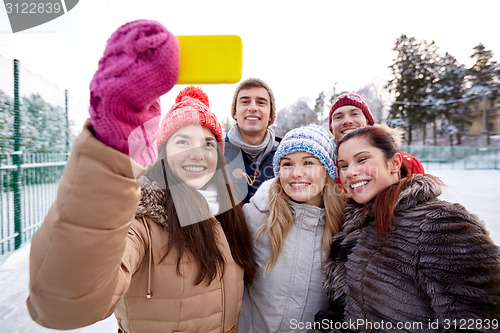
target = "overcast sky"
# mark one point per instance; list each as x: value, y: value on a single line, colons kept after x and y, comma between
x: 299, y: 47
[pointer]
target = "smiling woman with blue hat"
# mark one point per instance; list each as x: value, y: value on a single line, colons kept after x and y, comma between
x: 293, y: 218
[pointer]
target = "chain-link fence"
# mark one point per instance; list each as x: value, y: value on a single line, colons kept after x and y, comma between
x: 35, y: 139
x: 28, y: 186
x: 455, y: 157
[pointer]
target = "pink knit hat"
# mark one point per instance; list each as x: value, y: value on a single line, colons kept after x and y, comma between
x: 354, y: 100
x: 190, y: 108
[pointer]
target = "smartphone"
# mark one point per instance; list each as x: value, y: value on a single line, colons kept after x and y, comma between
x: 210, y: 59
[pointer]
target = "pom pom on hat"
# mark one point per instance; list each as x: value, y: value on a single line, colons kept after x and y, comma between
x: 190, y: 108
x: 193, y: 92
x: 354, y: 100
x: 312, y: 139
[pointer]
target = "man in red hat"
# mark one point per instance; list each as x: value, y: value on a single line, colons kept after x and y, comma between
x: 350, y: 111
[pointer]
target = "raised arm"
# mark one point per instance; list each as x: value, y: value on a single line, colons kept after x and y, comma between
x: 76, y: 274
x: 84, y: 254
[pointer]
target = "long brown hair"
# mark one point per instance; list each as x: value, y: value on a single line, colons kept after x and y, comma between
x: 199, y: 239
x: 384, y: 202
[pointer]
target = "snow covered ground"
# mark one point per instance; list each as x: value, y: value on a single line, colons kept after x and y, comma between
x: 477, y: 190
x: 14, y: 317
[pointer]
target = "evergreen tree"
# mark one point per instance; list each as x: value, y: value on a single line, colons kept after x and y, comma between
x: 43, y: 126
x: 6, y: 123
x: 484, y: 75
x: 485, y: 71
x: 446, y: 99
x: 414, y: 71
x: 483, y: 80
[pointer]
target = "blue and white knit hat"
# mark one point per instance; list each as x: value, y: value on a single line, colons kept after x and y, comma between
x: 312, y: 139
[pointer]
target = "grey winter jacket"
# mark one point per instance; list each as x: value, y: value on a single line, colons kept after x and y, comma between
x: 291, y: 293
x: 437, y: 270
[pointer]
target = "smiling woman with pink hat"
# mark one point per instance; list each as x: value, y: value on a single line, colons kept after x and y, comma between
x: 172, y: 254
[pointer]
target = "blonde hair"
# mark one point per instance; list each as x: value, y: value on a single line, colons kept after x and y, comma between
x: 280, y: 218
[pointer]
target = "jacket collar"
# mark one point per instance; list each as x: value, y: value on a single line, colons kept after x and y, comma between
x: 261, y: 202
x: 261, y: 197
x: 419, y: 188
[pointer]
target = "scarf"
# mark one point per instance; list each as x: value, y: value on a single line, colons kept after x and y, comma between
x: 256, y: 153
x: 210, y: 195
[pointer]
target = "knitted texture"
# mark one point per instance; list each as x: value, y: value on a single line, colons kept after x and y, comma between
x: 140, y: 63
x: 254, y: 83
x: 191, y: 108
x: 312, y: 139
x: 354, y: 100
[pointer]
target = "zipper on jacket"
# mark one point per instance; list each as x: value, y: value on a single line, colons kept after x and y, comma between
x: 223, y: 305
x: 149, y: 293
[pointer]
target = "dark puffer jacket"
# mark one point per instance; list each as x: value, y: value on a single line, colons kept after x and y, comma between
x: 237, y: 158
x: 438, y: 269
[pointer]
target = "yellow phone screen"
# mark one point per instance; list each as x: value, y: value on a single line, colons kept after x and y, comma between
x: 210, y: 59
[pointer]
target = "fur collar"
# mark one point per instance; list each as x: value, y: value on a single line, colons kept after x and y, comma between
x: 419, y: 188
x: 151, y: 203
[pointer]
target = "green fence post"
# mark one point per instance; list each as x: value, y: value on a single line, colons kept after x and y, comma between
x: 67, y: 118
x: 16, y: 159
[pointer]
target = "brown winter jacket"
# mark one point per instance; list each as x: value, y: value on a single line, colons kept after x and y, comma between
x: 92, y: 257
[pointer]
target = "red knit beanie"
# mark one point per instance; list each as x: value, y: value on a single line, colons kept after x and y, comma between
x: 190, y: 108
x: 354, y: 100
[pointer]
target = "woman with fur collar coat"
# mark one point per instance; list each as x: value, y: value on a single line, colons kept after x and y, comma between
x: 292, y: 219
x: 405, y: 261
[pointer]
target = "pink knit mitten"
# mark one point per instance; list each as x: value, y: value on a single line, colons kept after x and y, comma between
x: 140, y: 63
